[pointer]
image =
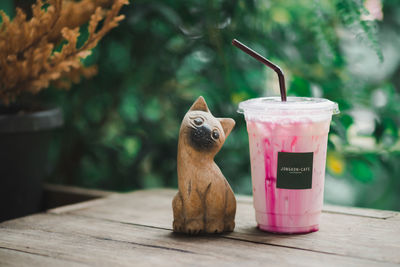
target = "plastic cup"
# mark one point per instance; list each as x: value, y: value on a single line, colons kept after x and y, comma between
x: 288, y: 143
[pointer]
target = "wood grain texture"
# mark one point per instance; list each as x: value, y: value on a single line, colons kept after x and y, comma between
x: 86, y: 242
x: 136, y: 229
x: 17, y: 258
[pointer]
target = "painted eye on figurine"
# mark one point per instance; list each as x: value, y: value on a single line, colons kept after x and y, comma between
x: 215, y: 134
x: 198, y: 121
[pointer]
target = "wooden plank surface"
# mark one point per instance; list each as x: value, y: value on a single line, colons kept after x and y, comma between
x: 134, y: 229
x: 11, y: 257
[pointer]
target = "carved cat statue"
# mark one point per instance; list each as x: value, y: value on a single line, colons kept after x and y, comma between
x: 205, y: 202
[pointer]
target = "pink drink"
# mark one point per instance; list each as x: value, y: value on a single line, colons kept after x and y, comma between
x: 288, y: 187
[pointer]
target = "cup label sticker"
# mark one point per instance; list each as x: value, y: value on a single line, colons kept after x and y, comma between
x: 294, y: 170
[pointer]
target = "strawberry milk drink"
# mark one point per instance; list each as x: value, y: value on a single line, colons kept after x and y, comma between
x: 288, y: 143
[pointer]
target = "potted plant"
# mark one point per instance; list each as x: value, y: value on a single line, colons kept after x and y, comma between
x: 38, y: 51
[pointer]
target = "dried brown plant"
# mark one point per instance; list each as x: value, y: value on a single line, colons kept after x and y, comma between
x: 28, y: 60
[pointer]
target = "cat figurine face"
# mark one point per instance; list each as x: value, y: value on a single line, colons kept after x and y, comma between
x: 202, y: 132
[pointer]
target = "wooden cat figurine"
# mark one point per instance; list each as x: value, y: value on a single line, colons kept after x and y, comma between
x: 205, y: 202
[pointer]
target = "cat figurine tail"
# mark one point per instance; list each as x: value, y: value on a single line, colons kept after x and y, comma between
x: 205, y: 202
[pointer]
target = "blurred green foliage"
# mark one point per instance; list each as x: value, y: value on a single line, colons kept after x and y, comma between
x: 122, y: 126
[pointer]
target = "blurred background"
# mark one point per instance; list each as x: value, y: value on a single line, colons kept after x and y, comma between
x: 121, y: 127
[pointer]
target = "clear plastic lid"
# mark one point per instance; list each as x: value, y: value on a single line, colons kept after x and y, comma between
x: 293, y: 105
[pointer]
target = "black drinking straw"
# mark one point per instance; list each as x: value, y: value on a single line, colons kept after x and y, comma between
x: 265, y: 61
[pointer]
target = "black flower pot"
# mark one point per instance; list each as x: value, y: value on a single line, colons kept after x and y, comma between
x: 24, y: 147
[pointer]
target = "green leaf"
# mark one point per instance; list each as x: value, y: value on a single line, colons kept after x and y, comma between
x: 129, y: 108
x: 361, y: 170
x: 350, y: 12
x: 131, y: 146
x: 346, y: 120
x: 300, y: 87
x: 152, y: 110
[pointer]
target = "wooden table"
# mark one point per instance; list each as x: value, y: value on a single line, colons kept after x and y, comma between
x: 134, y: 229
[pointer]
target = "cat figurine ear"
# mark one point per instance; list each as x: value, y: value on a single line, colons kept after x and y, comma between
x: 227, y: 124
x: 200, y: 104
